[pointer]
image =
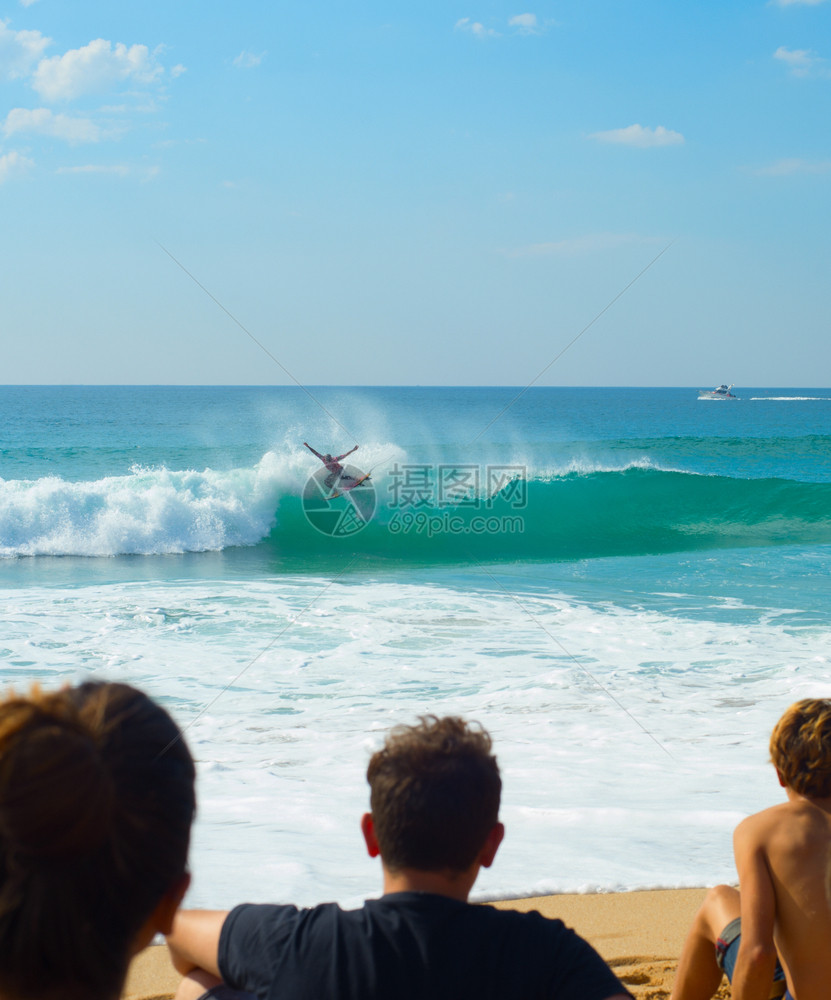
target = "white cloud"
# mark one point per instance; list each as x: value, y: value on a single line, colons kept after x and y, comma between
x: 19, y: 51
x: 526, y: 23
x: 27, y: 3
x: 639, y: 135
x: 119, y: 169
x: 177, y: 70
x: 248, y: 60
x: 802, y: 62
x: 95, y: 68
x: 168, y: 143
x: 578, y: 245
x: 475, y: 28
x: 793, y: 57
x: 44, y: 122
x: 789, y: 3
x: 13, y: 164
x: 788, y: 167
x: 144, y: 174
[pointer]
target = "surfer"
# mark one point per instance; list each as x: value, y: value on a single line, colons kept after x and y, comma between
x: 336, y: 472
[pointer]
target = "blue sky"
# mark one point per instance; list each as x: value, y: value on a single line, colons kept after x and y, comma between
x: 443, y: 193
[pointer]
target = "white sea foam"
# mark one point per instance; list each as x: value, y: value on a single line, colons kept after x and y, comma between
x: 154, y: 511
x: 586, y: 465
x: 148, y: 511
x: 631, y: 740
x: 151, y: 511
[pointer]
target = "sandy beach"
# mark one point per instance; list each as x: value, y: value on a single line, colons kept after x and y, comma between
x: 638, y: 933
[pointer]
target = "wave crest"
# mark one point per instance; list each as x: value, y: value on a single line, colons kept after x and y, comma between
x: 558, y: 515
x: 148, y: 512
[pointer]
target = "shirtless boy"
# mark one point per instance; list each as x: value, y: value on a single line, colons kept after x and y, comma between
x: 435, y: 791
x: 782, y: 858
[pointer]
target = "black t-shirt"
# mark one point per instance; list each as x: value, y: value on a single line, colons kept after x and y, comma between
x: 408, y: 946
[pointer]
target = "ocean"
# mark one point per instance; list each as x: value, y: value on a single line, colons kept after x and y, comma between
x: 625, y: 586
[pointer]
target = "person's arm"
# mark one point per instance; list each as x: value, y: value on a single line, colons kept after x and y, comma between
x: 311, y: 449
x: 194, y: 940
x: 756, y: 960
x: 340, y: 458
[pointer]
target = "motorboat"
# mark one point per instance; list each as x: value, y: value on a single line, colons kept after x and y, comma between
x: 720, y: 392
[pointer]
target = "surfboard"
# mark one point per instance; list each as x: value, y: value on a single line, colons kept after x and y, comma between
x: 345, y: 489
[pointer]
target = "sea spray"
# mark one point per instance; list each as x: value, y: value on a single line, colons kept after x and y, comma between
x: 637, y: 510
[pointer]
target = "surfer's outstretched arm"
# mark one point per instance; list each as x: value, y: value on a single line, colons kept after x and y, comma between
x: 311, y: 449
x: 340, y: 457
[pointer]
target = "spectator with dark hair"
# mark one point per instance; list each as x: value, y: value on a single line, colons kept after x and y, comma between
x: 96, y: 805
x: 434, y: 822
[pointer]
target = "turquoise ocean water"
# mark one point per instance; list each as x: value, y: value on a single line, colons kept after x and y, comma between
x: 626, y: 586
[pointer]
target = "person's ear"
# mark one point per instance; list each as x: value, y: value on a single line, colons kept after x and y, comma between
x: 160, y: 920
x: 782, y: 781
x: 491, y: 846
x: 368, y: 830
x: 169, y: 903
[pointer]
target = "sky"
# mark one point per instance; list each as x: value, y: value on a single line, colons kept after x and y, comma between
x: 433, y: 193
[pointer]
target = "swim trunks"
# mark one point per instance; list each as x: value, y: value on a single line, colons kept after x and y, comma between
x: 727, y: 951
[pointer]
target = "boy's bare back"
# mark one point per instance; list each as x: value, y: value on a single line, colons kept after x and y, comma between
x: 782, y: 857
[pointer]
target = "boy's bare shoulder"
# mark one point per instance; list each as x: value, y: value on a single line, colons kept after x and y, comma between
x: 782, y: 812
x: 790, y: 824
